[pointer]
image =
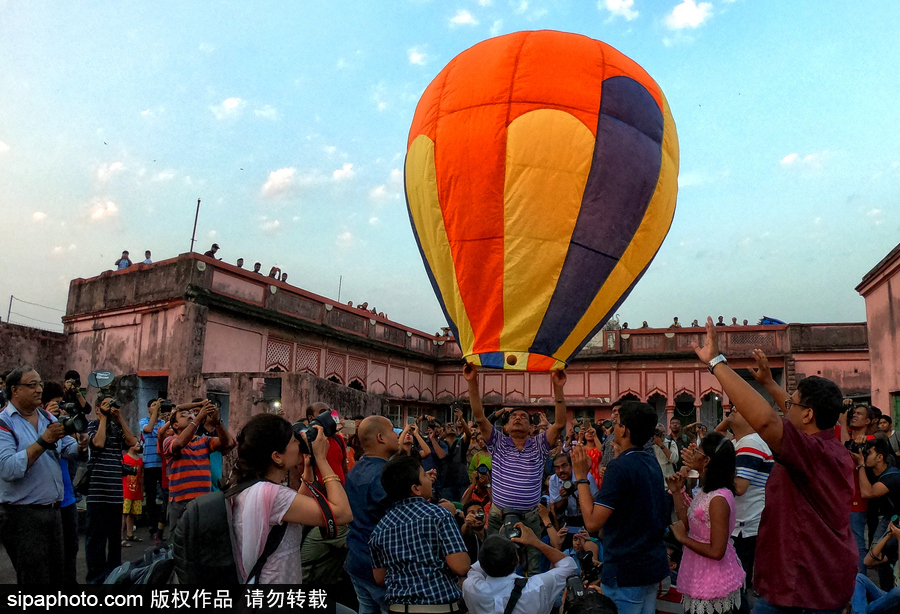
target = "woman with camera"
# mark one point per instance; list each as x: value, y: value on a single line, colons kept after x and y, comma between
x: 710, y: 577
x: 269, y: 451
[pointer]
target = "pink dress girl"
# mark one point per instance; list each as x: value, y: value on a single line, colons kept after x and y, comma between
x: 710, y: 586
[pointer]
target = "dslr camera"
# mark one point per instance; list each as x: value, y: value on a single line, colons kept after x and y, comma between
x: 569, y: 487
x: 509, y: 529
x: 74, y: 421
x: 327, y: 420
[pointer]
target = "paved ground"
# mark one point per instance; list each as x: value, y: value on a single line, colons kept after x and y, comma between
x: 135, y: 552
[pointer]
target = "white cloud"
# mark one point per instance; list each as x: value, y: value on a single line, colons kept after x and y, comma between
x: 106, y: 171
x: 523, y: 6
x: 38, y: 216
x: 146, y: 113
x: 345, y: 239
x: 3, y: 147
x: 230, y: 107
x: 688, y: 14
x: 330, y: 149
x: 102, y: 211
x: 378, y: 192
x: 874, y: 213
x: 267, y: 112
x: 341, y: 63
x: 463, y: 18
x: 484, y: 2
x: 396, y: 176
x: 374, y: 221
x: 58, y: 249
x: 206, y: 48
x: 212, y: 234
x: 495, y: 29
x: 278, y: 182
x: 345, y: 172
x: 416, y: 56
x: 809, y: 161
x: 165, y: 176
x: 621, y: 8
x: 269, y: 226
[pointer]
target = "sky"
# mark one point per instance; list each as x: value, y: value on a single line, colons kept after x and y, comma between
x: 289, y: 120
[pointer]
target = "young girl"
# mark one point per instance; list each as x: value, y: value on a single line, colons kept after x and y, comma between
x: 133, y: 491
x: 269, y: 451
x: 710, y: 577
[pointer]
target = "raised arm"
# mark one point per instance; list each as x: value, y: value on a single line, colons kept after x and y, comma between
x: 763, y: 375
x: 755, y: 409
x: 558, y: 379
x: 484, y: 425
x: 154, y: 416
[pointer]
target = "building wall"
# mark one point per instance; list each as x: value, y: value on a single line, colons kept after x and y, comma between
x: 44, y: 350
x: 881, y: 290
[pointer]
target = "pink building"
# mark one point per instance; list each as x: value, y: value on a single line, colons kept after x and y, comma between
x: 192, y: 325
x: 881, y: 289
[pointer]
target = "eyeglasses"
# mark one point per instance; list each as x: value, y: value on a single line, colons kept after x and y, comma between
x: 32, y: 385
x: 788, y: 403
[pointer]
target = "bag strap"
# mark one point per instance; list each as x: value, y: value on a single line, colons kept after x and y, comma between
x: 514, y: 596
x: 272, y: 543
x: 8, y: 429
x: 329, y: 531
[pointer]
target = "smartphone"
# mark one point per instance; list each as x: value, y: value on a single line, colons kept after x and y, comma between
x: 410, y: 419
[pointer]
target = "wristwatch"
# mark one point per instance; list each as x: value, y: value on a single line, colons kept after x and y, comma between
x: 582, y: 481
x: 715, y: 361
x: 46, y: 444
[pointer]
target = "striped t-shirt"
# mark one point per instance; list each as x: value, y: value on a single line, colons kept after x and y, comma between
x: 188, y: 470
x: 754, y: 463
x: 106, y: 476
x: 517, y: 474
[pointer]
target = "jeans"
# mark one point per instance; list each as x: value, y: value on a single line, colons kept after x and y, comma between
x: 885, y: 570
x: 532, y: 563
x: 745, y: 547
x: 764, y: 607
x: 858, y: 528
x: 370, y: 596
x: 633, y: 599
x: 869, y: 599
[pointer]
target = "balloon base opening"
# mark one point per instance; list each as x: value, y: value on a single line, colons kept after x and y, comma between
x: 516, y: 361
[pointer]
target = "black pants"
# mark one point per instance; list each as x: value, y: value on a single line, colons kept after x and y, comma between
x: 33, y: 538
x: 745, y: 547
x: 103, y: 544
x: 69, y: 516
x: 152, y: 486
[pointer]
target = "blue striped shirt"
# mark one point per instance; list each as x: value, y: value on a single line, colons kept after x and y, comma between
x: 151, y: 456
x: 517, y: 474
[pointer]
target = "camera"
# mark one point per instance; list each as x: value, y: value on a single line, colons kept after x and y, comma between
x: 75, y: 420
x: 574, y: 588
x: 576, y: 429
x: 479, y: 516
x: 129, y: 469
x: 569, y: 487
x: 857, y: 448
x: 509, y: 528
x: 482, y: 469
x: 660, y: 431
x: 166, y: 406
x: 534, y: 419
x: 327, y: 420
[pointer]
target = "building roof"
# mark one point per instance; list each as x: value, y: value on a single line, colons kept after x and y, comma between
x: 893, y: 255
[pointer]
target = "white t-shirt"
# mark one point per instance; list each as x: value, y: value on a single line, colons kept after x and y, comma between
x: 484, y: 594
x: 754, y: 463
x: 283, y: 566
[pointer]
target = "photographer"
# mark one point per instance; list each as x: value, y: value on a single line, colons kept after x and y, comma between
x: 491, y: 581
x: 72, y: 391
x: 153, y: 464
x: 454, y: 474
x: 666, y: 452
x: 474, y: 528
x: 563, y: 493
x: 109, y: 436
x: 517, y: 460
x: 878, y: 457
x: 187, y: 454
x: 480, y: 490
x: 31, y: 482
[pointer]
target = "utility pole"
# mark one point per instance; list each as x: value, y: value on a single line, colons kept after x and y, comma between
x: 9, y: 311
x: 194, y: 234
x: 340, y: 283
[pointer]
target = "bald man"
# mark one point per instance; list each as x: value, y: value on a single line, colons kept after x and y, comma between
x: 369, y: 503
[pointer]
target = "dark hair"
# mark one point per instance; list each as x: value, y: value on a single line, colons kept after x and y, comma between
x: 721, y: 469
x: 564, y: 455
x: 825, y: 398
x: 150, y: 402
x: 883, y: 447
x: 471, y: 504
x: 398, y: 477
x: 592, y: 602
x: 873, y: 413
x: 51, y: 391
x: 72, y: 374
x: 359, y: 417
x: 14, y: 378
x: 498, y: 556
x: 640, y: 420
x: 262, y: 435
x: 888, y: 418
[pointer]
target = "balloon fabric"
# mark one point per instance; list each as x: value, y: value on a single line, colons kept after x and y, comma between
x: 541, y: 177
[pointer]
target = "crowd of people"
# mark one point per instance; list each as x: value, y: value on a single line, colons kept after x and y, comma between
x: 275, y: 272
x: 775, y: 509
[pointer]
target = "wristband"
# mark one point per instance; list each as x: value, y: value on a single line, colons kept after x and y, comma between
x: 716, y: 360
x: 46, y: 444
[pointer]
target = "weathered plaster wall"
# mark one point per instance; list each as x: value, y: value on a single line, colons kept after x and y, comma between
x: 43, y: 350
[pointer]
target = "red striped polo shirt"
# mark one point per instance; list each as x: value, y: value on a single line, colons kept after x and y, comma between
x: 188, y: 470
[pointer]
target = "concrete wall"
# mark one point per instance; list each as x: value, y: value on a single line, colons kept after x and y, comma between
x: 45, y: 351
x: 881, y: 289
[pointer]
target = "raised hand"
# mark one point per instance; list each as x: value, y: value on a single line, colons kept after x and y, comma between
x: 762, y: 373
x: 470, y: 372
x: 711, y: 349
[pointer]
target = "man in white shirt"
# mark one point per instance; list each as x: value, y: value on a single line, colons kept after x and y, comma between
x: 564, y: 502
x: 666, y: 451
x: 491, y: 580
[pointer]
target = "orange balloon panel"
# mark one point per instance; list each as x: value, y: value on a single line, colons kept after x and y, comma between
x: 541, y: 177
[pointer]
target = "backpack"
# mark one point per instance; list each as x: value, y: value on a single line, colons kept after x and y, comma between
x: 155, y: 568
x: 203, y: 547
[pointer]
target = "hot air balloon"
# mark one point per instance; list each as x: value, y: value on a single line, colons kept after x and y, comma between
x: 541, y: 175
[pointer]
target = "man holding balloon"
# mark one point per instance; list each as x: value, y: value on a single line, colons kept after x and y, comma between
x: 518, y: 462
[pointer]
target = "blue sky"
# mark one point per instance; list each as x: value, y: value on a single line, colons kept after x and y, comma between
x: 289, y: 120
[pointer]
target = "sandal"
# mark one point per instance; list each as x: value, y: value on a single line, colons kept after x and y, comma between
x: 125, y: 544
x: 132, y: 538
